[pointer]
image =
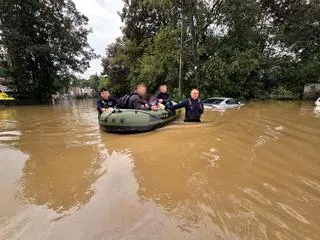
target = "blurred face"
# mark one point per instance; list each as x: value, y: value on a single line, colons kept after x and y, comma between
x: 194, y: 94
x: 163, y: 89
x: 105, y: 94
x: 142, y: 90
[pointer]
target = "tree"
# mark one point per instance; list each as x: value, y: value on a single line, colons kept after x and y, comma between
x: 296, y: 31
x: 94, y: 82
x: 238, y: 48
x: 104, y: 82
x: 45, y: 40
x: 160, y: 63
x: 116, y: 64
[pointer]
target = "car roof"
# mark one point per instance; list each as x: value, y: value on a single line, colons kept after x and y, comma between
x: 220, y: 98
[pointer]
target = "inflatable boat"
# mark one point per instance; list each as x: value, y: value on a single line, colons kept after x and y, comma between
x: 131, y: 120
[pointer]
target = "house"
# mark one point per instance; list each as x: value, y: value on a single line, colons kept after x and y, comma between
x: 81, y: 92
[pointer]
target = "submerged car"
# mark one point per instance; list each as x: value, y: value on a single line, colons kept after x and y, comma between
x: 221, y: 103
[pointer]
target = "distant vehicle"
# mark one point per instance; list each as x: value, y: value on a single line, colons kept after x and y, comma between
x: 317, y: 102
x: 221, y: 103
x: 5, y: 99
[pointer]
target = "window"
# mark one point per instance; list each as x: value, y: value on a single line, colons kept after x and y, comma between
x: 232, y: 102
x: 213, y: 101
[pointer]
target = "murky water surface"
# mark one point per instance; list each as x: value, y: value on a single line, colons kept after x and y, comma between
x: 249, y: 173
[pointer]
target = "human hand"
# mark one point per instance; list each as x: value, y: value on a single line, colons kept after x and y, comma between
x: 104, y: 109
x: 154, y: 108
x: 160, y: 101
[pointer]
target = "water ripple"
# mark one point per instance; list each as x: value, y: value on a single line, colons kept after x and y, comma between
x: 257, y: 196
x: 293, y: 213
x: 311, y: 183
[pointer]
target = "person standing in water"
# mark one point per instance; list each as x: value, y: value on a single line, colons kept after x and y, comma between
x: 192, y: 105
x: 105, y: 101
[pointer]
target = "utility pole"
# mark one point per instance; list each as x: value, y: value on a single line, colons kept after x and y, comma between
x: 181, y: 48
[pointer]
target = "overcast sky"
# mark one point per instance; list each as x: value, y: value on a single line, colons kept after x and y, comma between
x: 105, y: 22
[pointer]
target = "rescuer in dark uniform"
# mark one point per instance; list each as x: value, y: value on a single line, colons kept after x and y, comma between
x: 105, y: 101
x: 193, y: 106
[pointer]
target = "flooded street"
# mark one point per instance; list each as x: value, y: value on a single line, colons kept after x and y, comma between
x: 252, y: 173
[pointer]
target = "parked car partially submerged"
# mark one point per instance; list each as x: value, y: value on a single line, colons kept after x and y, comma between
x: 221, y: 103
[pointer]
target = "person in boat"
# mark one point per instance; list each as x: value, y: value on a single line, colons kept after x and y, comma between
x: 162, y: 96
x: 136, y: 100
x: 105, y: 101
x: 193, y: 106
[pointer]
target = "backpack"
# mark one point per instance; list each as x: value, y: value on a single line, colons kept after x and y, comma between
x: 123, y: 102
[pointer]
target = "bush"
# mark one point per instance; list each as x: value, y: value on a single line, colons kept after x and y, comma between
x: 175, y: 96
x: 282, y: 93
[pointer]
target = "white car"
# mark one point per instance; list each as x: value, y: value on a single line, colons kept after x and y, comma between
x: 221, y: 103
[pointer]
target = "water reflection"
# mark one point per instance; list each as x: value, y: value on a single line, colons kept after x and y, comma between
x: 59, y: 181
x: 185, y: 186
x: 63, y: 157
x: 316, y: 112
x: 8, y: 126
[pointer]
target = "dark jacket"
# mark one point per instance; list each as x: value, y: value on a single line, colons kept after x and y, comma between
x: 164, y: 96
x: 137, y: 102
x: 105, y: 103
x: 194, y: 109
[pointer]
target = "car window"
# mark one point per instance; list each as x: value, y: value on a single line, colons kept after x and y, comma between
x: 231, y: 102
x: 213, y: 101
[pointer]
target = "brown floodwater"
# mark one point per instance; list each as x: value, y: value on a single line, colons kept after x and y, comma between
x: 248, y: 173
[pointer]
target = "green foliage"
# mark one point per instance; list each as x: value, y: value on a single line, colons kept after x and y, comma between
x: 94, y: 81
x: 176, y: 96
x: 296, y: 30
x: 116, y: 65
x: 44, y: 40
x: 160, y: 62
x: 104, y: 82
x: 4, y: 73
x: 282, y: 93
x: 241, y: 48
